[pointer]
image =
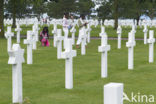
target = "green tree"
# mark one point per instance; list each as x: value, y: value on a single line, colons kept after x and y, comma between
x: 116, y: 12
x: 134, y: 9
x: 151, y: 8
x: 131, y: 9
x: 39, y: 7
x: 57, y: 9
x: 84, y: 7
x: 14, y: 9
x: 11, y: 7
x: 2, y: 18
x: 110, y: 9
x: 105, y: 11
x: 18, y: 9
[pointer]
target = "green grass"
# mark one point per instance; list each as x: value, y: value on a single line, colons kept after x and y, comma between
x: 43, y: 82
x: 111, y: 32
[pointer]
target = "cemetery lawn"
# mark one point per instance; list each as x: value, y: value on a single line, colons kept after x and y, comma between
x: 43, y: 82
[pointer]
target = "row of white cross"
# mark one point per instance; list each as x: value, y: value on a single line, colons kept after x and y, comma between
x: 129, y: 22
x: 85, y: 37
x: 68, y: 54
x: 31, y: 21
x: 113, y: 92
x: 16, y: 56
x: 106, y: 22
x: 131, y: 43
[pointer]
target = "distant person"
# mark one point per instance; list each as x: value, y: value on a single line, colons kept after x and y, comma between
x: 66, y: 25
x: 82, y: 27
x: 44, y: 36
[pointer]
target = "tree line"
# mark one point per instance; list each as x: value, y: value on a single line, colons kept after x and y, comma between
x: 109, y: 9
x: 123, y: 9
x: 36, y: 8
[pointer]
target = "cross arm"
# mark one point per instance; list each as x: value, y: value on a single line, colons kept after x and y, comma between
x: 104, y: 48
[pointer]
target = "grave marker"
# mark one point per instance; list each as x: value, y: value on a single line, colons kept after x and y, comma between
x: 83, y: 43
x: 73, y: 31
x: 151, y: 42
x: 119, y: 31
x: 29, y: 43
x: 18, y: 30
x: 145, y: 34
x: 54, y: 31
x: 102, y: 31
x: 88, y: 32
x: 113, y: 93
x: 130, y: 44
x: 8, y: 36
x: 68, y: 55
x: 16, y: 58
x: 104, y: 48
x: 59, y: 39
x: 34, y: 38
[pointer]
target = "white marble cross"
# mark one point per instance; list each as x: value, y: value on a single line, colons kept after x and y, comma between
x: 37, y: 31
x: 29, y: 42
x: 88, y: 32
x: 54, y: 32
x: 18, y: 30
x: 96, y: 23
x: 41, y: 23
x: 68, y: 55
x: 59, y: 39
x: 101, y: 22
x: 73, y: 31
x: 130, y: 44
x: 34, y: 38
x: 133, y: 29
x: 145, y: 34
x: 119, y: 32
x: 16, y: 58
x: 66, y: 32
x: 8, y: 36
x: 83, y: 43
x: 104, y: 48
x: 102, y: 31
x: 151, y: 42
x: 113, y: 93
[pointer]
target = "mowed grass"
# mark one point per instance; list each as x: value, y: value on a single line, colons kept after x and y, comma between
x: 44, y: 80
